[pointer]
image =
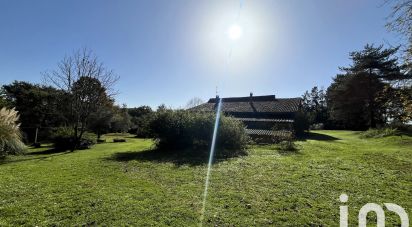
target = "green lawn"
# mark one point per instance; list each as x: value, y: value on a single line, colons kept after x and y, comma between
x: 119, y: 184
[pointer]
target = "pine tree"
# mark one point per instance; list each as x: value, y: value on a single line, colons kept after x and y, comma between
x: 355, y: 97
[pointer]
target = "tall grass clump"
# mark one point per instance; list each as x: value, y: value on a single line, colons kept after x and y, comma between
x: 183, y: 130
x: 10, y: 135
x: 379, y: 133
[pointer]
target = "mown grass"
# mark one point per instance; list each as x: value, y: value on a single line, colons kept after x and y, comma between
x: 117, y: 184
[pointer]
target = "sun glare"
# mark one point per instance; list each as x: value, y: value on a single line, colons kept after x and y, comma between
x: 234, y: 32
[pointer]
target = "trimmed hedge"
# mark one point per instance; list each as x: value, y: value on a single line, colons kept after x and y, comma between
x: 177, y: 130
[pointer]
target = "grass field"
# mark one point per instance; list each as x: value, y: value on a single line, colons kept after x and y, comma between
x: 119, y: 184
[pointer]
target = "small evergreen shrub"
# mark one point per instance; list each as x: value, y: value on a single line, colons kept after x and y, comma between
x: 379, y: 133
x: 180, y: 130
x: 63, y: 139
x: 287, y: 145
x: 10, y: 135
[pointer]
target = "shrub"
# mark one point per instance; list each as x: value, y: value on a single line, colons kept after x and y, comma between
x: 379, y: 133
x: 119, y: 140
x: 142, y: 127
x: 63, y: 139
x: 180, y: 129
x: 301, y: 123
x: 287, y: 145
x: 280, y: 136
x: 401, y: 127
x: 10, y: 135
x: 318, y: 126
x: 101, y: 140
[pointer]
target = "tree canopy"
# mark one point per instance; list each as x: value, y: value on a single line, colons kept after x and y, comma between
x: 357, y: 98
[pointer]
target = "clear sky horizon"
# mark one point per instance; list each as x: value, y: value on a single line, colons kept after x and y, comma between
x: 171, y: 51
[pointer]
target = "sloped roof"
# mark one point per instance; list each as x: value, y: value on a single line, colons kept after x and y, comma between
x: 253, y: 104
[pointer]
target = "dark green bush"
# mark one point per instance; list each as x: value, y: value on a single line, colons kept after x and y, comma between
x: 287, y: 145
x: 142, y: 127
x: 179, y: 130
x: 63, y: 139
x: 119, y: 140
x: 402, y: 127
x: 301, y: 123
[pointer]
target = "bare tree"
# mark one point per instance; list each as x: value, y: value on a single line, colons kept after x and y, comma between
x: 194, y: 102
x: 400, y: 21
x: 88, y: 86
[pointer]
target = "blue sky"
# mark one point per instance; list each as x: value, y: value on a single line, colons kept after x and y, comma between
x: 170, y: 51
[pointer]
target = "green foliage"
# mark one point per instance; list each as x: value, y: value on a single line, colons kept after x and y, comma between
x: 288, y: 145
x: 38, y: 107
x: 87, y: 86
x: 63, y: 139
x: 301, y: 123
x: 314, y: 104
x: 355, y: 98
x: 379, y: 133
x: 398, y: 102
x: 283, y: 136
x: 3, y: 101
x: 141, y: 118
x: 10, y: 136
x: 100, y: 121
x: 351, y: 100
x: 190, y: 130
x: 402, y: 127
x: 121, y: 121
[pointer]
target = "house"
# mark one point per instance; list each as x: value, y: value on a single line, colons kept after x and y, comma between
x: 263, y: 115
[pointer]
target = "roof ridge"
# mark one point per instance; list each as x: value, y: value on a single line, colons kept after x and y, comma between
x: 254, y: 98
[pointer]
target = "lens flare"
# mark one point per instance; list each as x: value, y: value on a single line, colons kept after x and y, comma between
x: 209, y: 165
x: 234, y: 32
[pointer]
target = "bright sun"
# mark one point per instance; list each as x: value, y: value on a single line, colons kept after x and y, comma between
x: 234, y: 32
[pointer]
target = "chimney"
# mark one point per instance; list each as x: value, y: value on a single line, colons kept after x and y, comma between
x: 216, y: 102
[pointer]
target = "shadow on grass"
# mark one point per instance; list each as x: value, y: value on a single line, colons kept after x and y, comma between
x: 166, y: 156
x: 32, y: 156
x: 48, y: 151
x: 317, y: 136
